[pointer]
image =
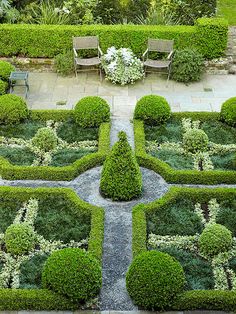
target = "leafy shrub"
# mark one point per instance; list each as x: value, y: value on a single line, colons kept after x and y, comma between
x: 195, y: 140
x: 91, y: 111
x: 187, y: 11
x: 108, y: 11
x: 73, y: 273
x: 187, y: 65
x: 152, y: 109
x: 5, y: 70
x: 64, y: 63
x: 154, y: 279
x: 13, y: 109
x: 3, y: 87
x: 228, y: 111
x: 19, y: 238
x: 121, y: 177
x: 45, y: 139
x: 215, y: 239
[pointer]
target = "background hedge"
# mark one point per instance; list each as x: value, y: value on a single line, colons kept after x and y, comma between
x: 209, y: 36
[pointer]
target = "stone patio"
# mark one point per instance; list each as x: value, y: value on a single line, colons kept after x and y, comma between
x: 47, y: 89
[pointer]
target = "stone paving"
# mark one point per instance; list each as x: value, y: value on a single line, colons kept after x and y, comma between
x: 47, y: 89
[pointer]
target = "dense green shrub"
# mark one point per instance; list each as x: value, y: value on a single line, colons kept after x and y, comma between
x: 215, y: 239
x: 154, y: 279
x: 91, y: 111
x: 45, y: 139
x: 3, y: 87
x: 195, y: 140
x: 64, y: 63
x: 13, y: 109
x: 228, y: 111
x: 187, y: 11
x: 19, y: 238
x: 121, y: 177
x: 187, y: 65
x: 209, y: 36
x: 152, y: 109
x: 5, y: 70
x: 73, y: 273
x: 108, y: 11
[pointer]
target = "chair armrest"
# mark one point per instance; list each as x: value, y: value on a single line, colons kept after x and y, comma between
x: 170, y: 55
x: 144, y: 54
x: 100, y: 51
x: 75, y: 53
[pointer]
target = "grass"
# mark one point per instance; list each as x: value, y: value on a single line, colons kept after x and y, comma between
x: 227, y: 9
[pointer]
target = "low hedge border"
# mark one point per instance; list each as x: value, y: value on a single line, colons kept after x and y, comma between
x: 67, y: 173
x: 209, y: 36
x: 40, y: 299
x: 189, y: 300
x: 179, y: 176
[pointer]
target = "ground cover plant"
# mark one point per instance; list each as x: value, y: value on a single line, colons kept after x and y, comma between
x: 196, y: 227
x: 227, y: 9
x: 36, y: 224
x: 187, y: 147
x: 45, y: 147
x: 190, y: 144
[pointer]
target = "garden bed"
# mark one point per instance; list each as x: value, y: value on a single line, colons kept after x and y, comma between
x: 174, y: 224
x: 60, y: 219
x: 168, y: 156
x: 79, y: 148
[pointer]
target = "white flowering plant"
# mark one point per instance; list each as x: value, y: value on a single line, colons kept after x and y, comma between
x: 121, y: 66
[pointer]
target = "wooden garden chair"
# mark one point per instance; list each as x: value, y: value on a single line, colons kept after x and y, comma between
x: 161, y: 46
x: 93, y: 63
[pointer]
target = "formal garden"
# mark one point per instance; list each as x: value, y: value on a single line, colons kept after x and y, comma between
x: 101, y: 211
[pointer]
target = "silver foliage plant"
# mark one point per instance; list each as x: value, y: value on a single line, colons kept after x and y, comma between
x: 121, y: 66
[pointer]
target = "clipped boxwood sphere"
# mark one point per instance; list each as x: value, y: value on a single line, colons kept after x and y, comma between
x: 228, y: 111
x: 19, y: 238
x: 45, y: 139
x: 154, y: 279
x: 215, y: 239
x: 91, y: 112
x: 13, y: 109
x: 3, y: 87
x: 73, y: 273
x: 195, y: 140
x: 152, y: 109
x: 5, y: 70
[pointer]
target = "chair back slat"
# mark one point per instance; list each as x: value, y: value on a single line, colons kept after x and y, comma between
x: 86, y: 42
x: 160, y: 45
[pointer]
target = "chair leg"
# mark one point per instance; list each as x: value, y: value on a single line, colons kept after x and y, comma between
x: 100, y: 71
x: 168, y: 78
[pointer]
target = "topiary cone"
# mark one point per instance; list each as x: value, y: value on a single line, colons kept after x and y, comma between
x: 121, y: 178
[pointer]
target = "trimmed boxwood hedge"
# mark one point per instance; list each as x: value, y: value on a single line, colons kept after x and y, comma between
x: 66, y: 173
x: 209, y: 36
x: 189, y: 300
x: 42, y: 299
x: 179, y: 176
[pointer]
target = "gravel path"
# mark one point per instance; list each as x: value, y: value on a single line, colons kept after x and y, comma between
x: 118, y: 125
